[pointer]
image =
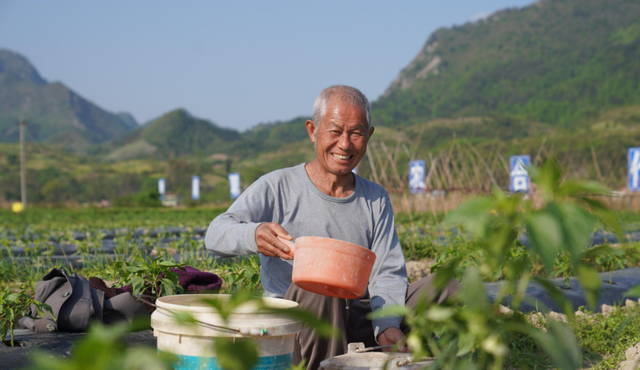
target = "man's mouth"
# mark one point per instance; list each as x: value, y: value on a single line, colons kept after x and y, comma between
x: 341, y: 157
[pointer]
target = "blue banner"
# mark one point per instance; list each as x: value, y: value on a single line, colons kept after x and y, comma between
x: 417, y: 175
x: 234, y: 185
x: 162, y: 187
x: 195, y: 187
x: 634, y: 169
x: 518, y: 174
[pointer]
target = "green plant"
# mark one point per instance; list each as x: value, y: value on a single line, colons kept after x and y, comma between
x: 562, y: 224
x: 242, y: 275
x: 15, y: 305
x: 154, y: 275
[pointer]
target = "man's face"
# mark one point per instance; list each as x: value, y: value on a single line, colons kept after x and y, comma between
x: 341, y: 138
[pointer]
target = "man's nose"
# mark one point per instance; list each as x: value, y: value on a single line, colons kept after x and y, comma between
x: 345, y: 141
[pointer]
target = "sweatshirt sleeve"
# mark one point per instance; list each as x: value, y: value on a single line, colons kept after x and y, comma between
x: 233, y: 232
x: 388, y: 284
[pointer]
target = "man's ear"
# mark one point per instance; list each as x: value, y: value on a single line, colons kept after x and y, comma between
x: 371, y: 130
x: 311, y: 128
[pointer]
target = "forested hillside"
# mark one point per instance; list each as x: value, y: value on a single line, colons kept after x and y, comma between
x: 557, y: 61
x: 174, y: 134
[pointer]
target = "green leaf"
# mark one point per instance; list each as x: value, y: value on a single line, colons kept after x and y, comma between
x: 439, y: 313
x: 389, y: 311
x: 219, y: 305
x: 135, y: 268
x: 322, y: 327
x: 591, y: 282
x: 183, y: 317
x: 608, y: 218
x: 577, y: 226
x: 498, y: 243
x: 563, y: 302
x: 545, y: 233
x: 548, y: 178
x: 560, y: 344
x: 474, y: 293
x: 474, y: 214
x: 601, y: 250
x: 445, y: 273
x: 575, y: 188
x: 633, y: 292
x: 466, y: 343
x: 236, y: 354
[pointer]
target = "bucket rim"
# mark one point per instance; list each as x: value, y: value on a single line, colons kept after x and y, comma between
x: 183, y: 302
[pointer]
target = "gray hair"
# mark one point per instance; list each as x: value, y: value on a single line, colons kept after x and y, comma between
x: 349, y: 94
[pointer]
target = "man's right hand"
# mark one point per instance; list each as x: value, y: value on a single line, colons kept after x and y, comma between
x: 268, y: 243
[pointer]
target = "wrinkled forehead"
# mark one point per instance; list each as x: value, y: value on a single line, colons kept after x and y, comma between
x: 342, y: 110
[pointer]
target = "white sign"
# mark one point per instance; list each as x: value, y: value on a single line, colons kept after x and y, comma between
x: 518, y: 174
x: 633, y: 157
x: 162, y: 187
x: 195, y: 187
x: 234, y: 185
x: 417, y: 176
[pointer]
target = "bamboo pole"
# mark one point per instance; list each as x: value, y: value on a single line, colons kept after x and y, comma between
x: 537, y: 159
x: 493, y: 180
x: 435, y: 169
x: 23, y: 166
x: 374, y: 173
x: 595, y: 163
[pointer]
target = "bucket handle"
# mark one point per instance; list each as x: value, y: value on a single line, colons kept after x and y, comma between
x: 242, y: 331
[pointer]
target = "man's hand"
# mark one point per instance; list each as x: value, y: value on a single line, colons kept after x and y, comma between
x: 268, y: 243
x: 393, y: 335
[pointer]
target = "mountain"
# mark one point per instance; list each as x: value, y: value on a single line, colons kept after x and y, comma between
x: 54, y: 113
x: 556, y: 61
x: 174, y: 134
x: 128, y: 120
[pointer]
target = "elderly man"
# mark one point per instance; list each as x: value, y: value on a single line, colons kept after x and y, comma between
x: 324, y: 198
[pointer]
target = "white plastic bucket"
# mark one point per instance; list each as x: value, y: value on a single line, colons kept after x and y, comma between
x: 374, y: 361
x: 193, y: 345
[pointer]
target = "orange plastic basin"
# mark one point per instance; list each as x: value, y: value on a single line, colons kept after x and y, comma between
x: 331, y: 267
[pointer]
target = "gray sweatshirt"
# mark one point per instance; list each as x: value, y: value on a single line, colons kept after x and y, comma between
x: 288, y: 196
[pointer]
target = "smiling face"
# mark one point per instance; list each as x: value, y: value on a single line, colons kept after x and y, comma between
x: 341, y: 138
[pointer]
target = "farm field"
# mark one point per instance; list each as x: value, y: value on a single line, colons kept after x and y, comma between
x: 97, y: 242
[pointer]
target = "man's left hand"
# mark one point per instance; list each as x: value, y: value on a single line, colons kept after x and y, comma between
x: 393, y: 335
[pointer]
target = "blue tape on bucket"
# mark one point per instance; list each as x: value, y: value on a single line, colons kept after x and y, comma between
x: 280, y: 362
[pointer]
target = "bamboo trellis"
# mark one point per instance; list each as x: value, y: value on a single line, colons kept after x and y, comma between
x: 460, y: 167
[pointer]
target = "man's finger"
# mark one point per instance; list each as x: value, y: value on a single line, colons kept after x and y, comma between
x: 280, y: 231
x: 268, y: 243
x: 276, y: 242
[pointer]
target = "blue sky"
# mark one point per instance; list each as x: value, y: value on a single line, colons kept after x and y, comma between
x: 236, y: 63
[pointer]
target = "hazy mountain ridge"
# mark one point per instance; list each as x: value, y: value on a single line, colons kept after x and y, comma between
x: 53, y: 112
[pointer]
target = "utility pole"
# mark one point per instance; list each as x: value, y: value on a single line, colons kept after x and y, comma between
x: 23, y: 165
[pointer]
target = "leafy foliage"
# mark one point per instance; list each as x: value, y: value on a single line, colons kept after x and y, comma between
x: 153, y: 274
x: 16, y: 305
x: 562, y: 223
